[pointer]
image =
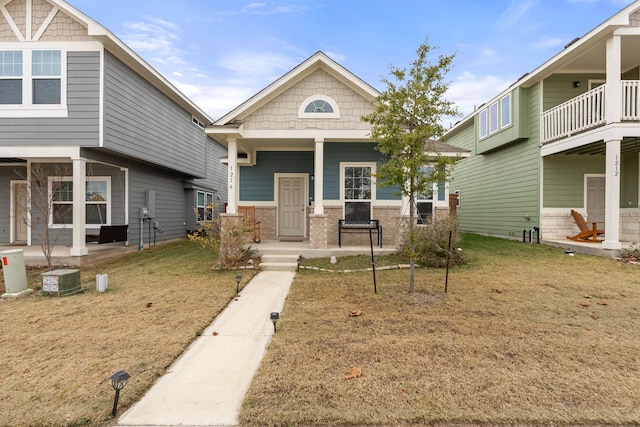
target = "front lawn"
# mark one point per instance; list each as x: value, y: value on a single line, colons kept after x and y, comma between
x: 525, y: 335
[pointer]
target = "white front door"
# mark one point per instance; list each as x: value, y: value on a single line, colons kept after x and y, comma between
x: 291, y: 206
x: 19, y: 211
x: 595, y: 199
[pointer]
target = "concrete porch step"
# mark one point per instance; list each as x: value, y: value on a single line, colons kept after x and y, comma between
x: 279, y: 262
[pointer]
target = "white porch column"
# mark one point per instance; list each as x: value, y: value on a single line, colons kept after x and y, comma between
x: 232, y: 176
x: 79, y: 246
x: 318, y: 177
x: 613, y: 89
x: 612, y: 197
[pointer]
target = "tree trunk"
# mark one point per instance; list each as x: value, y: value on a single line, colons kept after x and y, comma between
x: 412, y: 244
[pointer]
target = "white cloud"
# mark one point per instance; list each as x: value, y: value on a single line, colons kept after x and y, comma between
x: 157, y: 37
x: 469, y: 91
x: 258, y: 65
x: 256, y: 8
x: 513, y: 13
x: 548, y: 42
x: 216, y: 100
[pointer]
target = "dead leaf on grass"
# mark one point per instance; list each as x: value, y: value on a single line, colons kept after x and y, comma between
x: 355, y: 313
x: 594, y: 316
x: 587, y: 296
x: 353, y: 373
x: 149, y: 304
x: 584, y: 304
x: 602, y: 303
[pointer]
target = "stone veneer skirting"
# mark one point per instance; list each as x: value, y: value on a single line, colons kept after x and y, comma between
x: 557, y: 225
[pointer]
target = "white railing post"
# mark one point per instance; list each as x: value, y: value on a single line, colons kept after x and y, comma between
x: 581, y: 113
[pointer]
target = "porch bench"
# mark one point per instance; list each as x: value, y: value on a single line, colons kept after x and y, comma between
x: 350, y: 226
x: 109, y: 234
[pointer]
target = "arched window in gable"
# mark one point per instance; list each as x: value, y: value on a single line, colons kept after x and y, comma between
x: 319, y: 107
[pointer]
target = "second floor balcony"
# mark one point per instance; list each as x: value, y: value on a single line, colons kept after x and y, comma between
x: 588, y: 111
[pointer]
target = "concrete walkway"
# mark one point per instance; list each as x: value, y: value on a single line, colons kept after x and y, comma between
x: 206, y: 385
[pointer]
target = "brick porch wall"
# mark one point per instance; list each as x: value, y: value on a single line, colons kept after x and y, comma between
x: 389, y: 217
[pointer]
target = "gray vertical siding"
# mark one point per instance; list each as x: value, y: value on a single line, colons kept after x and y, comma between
x: 142, y: 122
x: 170, y: 202
x: 83, y: 100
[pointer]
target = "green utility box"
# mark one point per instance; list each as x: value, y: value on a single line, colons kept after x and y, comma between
x: 61, y: 282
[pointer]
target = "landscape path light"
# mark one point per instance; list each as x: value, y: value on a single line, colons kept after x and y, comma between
x: 118, y: 381
x: 238, y: 279
x: 275, y: 316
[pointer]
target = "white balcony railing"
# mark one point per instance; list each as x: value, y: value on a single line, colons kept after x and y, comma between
x: 587, y: 111
x: 576, y: 115
x: 630, y: 106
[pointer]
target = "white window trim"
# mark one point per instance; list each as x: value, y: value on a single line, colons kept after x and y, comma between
x: 325, y: 98
x: 372, y: 165
x: 27, y: 108
x: 213, y: 198
x: 53, y: 179
x: 497, y: 117
x: 483, y: 120
x: 502, y: 126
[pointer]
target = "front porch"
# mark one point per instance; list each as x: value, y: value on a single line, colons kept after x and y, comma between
x: 61, y: 255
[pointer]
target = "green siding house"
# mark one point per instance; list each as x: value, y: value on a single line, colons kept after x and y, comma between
x: 563, y: 137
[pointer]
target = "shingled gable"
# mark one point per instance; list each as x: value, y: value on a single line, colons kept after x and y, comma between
x: 319, y: 60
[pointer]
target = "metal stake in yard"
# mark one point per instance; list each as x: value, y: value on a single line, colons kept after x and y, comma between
x: 446, y: 280
x: 373, y: 264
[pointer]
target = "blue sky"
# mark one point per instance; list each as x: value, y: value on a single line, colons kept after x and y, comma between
x: 221, y: 52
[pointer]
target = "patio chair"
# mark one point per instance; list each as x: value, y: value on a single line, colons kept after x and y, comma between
x: 586, y: 234
x: 249, y: 223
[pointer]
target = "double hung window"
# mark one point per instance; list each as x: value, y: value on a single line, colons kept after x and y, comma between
x: 204, y: 206
x: 97, y: 200
x: 357, y: 185
x: 32, y: 82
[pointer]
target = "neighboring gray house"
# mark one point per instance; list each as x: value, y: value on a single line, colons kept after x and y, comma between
x: 112, y: 133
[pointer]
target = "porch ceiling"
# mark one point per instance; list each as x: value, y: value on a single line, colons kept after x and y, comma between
x: 593, y: 59
x: 628, y: 146
x: 276, y: 144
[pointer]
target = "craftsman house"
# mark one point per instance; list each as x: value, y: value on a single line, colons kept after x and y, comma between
x: 124, y: 153
x: 300, y: 156
x: 563, y: 137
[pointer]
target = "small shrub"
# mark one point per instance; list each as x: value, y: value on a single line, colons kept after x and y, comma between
x: 229, y: 243
x: 431, y: 243
x: 630, y: 254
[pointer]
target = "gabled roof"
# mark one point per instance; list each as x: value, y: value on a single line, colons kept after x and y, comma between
x: 124, y: 53
x: 445, y: 149
x: 319, y: 60
x: 583, y: 54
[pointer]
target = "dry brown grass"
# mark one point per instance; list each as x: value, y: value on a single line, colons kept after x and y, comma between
x: 526, y: 336
x: 57, y: 353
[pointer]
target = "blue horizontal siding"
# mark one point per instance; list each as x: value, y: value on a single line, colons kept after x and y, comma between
x: 256, y: 182
x: 335, y: 153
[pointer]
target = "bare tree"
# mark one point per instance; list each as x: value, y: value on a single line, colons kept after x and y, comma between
x: 49, y: 201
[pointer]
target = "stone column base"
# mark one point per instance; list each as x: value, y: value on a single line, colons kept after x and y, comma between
x: 318, y: 231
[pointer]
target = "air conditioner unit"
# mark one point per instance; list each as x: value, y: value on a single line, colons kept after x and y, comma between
x: 61, y: 282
